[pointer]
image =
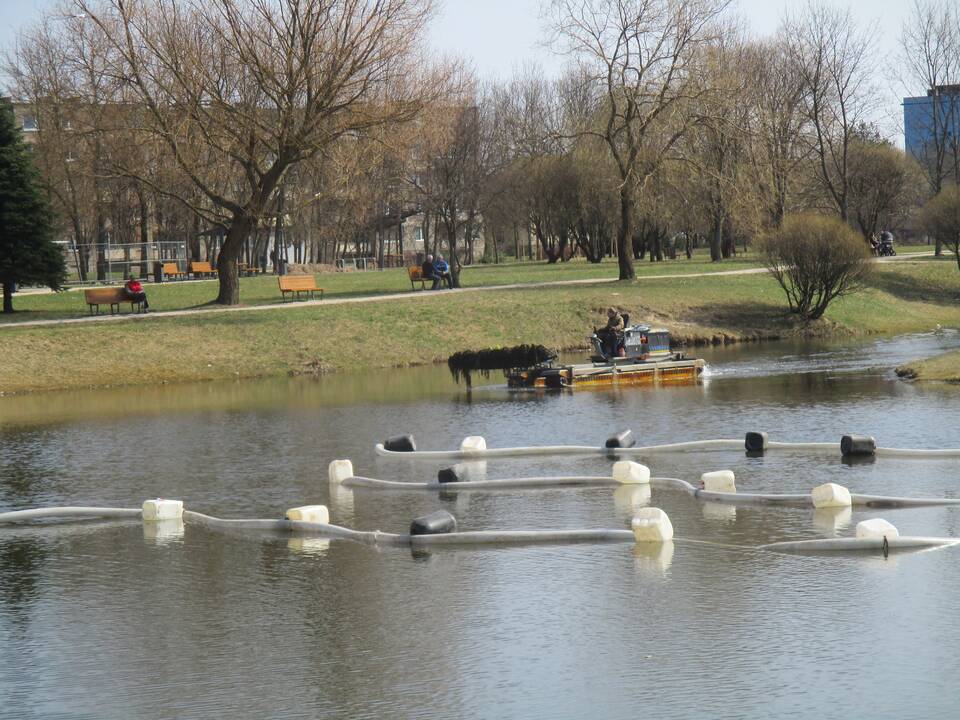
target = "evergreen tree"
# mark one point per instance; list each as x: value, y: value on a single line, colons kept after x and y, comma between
x: 27, y: 251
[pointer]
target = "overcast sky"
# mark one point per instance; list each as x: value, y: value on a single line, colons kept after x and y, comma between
x: 500, y: 35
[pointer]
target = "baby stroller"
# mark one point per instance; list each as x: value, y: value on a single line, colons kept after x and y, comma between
x: 885, y: 246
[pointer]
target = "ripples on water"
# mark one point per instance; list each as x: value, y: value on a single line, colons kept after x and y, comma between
x: 108, y: 620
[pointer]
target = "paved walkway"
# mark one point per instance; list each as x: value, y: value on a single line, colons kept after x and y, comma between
x: 409, y: 295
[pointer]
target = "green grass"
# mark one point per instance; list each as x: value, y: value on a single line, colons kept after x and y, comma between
x: 424, y: 329
x: 264, y: 291
x: 941, y: 368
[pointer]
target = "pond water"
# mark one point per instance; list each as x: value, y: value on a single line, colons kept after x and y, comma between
x: 108, y: 620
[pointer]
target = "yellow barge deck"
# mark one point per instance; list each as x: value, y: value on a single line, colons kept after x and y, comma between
x: 677, y: 372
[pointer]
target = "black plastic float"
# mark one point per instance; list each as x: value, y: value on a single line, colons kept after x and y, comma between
x: 435, y: 523
x: 401, y: 443
x: 858, y: 445
x: 756, y: 442
x: 448, y: 475
x: 622, y: 439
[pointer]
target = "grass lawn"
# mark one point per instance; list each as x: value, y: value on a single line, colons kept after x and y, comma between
x: 263, y: 290
x: 905, y: 297
x: 941, y: 368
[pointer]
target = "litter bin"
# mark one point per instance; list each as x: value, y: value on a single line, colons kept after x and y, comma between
x: 281, y: 266
x: 158, y: 272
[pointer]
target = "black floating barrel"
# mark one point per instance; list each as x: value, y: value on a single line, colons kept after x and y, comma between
x: 622, y: 439
x: 448, y: 475
x: 858, y: 445
x: 400, y: 443
x: 436, y: 523
x: 755, y: 442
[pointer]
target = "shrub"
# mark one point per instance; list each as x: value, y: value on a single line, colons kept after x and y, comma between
x: 816, y: 258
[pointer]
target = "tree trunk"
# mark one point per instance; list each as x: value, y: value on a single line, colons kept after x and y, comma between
x: 625, y: 235
x: 240, y: 228
x: 7, y: 296
x: 716, y: 254
x: 144, y: 233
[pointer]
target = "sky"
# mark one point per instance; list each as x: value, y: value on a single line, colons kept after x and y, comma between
x: 497, y: 36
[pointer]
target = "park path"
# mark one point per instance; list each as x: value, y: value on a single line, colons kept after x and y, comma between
x: 387, y: 297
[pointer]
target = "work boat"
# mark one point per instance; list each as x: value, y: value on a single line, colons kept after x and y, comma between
x: 643, y: 357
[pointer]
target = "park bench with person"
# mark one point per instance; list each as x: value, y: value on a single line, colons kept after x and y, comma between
x: 297, y: 284
x: 114, y: 297
x: 202, y: 269
x: 416, y: 276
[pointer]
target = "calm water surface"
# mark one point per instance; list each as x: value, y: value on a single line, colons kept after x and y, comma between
x: 109, y: 620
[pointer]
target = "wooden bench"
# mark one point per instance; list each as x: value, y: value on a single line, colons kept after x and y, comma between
x: 95, y: 297
x: 298, y: 284
x: 204, y: 269
x: 172, y: 270
x: 244, y: 269
x: 416, y: 276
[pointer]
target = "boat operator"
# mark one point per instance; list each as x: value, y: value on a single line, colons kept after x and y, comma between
x: 612, y: 333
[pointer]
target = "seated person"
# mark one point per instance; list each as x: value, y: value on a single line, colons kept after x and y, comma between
x: 135, y: 293
x: 612, y: 333
x: 443, y: 270
x: 429, y: 272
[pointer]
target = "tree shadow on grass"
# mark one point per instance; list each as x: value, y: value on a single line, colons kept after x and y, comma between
x: 754, y: 318
x: 908, y: 286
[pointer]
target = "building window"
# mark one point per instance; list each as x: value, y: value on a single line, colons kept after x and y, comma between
x: 29, y: 123
x: 418, y: 234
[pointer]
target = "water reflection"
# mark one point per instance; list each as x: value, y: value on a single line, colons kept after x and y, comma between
x: 255, y: 623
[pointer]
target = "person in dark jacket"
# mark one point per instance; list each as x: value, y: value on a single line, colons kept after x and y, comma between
x: 429, y: 272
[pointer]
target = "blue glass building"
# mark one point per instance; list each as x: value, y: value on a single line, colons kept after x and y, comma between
x: 932, y: 121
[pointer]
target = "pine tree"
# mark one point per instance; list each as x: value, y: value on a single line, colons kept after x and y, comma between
x: 27, y: 251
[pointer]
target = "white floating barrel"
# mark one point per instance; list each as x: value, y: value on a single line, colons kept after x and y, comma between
x: 831, y: 495
x: 473, y: 444
x: 631, y: 473
x: 651, y: 525
x: 340, y: 470
x: 722, y: 481
x: 877, y: 529
x: 160, y: 509
x: 309, y: 514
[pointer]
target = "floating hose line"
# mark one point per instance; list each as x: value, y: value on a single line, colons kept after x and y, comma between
x: 859, y: 544
x: 622, y: 445
x: 348, y: 480
x: 650, y: 527
x: 69, y: 513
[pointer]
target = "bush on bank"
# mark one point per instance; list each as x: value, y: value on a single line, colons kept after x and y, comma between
x: 816, y: 259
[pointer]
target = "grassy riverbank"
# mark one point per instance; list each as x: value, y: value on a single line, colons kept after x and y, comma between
x: 425, y: 328
x: 942, y: 368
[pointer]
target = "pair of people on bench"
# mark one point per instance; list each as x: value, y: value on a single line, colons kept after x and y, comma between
x: 436, y: 270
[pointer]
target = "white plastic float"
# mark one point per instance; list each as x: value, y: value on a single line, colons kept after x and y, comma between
x: 719, y: 481
x: 651, y: 525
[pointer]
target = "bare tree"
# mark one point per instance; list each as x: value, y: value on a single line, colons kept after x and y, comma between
x: 777, y: 123
x: 641, y: 58
x: 832, y: 56
x: 240, y: 91
x: 883, y: 182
